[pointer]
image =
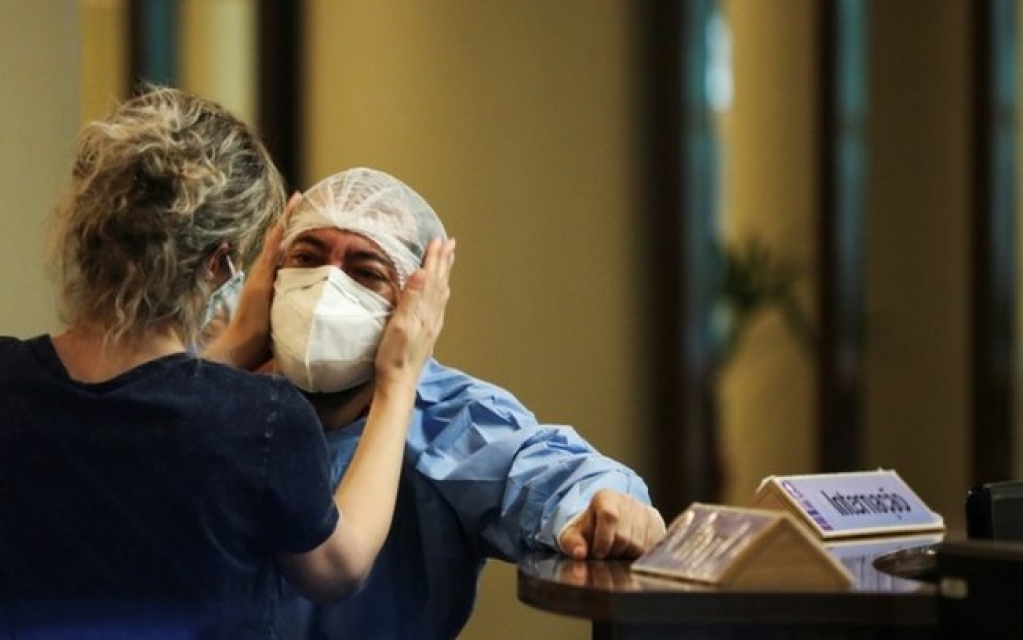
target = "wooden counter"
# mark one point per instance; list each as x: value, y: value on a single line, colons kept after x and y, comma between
x: 627, y: 605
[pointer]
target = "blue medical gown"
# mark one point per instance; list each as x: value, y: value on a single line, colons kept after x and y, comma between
x: 481, y: 479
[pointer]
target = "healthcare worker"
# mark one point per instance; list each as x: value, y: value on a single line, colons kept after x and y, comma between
x: 482, y: 477
x: 149, y: 493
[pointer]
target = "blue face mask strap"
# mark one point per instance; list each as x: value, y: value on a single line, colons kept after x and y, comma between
x: 225, y: 296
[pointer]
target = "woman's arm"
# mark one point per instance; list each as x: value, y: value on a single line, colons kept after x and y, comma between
x: 368, y: 491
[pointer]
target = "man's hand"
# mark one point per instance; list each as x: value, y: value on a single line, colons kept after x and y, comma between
x: 615, y: 525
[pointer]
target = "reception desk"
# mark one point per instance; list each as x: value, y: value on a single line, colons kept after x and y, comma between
x: 626, y: 605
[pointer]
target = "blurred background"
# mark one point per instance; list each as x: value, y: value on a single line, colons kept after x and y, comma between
x: 724, y: 239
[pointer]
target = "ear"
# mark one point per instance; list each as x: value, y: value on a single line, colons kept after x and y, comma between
x: 217, y: 259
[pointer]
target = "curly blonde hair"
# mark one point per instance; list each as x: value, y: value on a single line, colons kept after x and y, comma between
x: 156, y: 187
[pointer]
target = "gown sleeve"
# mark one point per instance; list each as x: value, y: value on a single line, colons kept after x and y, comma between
x: 514, y: 483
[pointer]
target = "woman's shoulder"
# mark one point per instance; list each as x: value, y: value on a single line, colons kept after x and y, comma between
x: 248, y: 386
x: 258, y: 400
x: 11, y: 343
x: 15, y: 352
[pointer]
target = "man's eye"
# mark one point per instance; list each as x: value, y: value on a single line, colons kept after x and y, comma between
x: 369, y: 274
x: 300, y: 259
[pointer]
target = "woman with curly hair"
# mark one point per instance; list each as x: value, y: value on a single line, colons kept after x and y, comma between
x: 145, y: 490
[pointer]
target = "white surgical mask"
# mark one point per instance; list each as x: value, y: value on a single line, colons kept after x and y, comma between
x: 325, y: 328
x: 225, y: 298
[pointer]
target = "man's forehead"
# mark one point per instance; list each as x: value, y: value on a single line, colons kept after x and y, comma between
x: 333, y: 237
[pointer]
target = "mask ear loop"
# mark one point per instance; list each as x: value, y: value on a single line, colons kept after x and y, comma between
x: 211, y: 273
x: 211, y: 262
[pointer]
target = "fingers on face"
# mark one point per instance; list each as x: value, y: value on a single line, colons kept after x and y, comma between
x: 272, y: 249
x: 438, y: 262
x: 276, y: 232
x: 440, y: 256
x: 290, y: 206
x: 428, y: 290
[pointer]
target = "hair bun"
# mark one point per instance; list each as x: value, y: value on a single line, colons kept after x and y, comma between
x: 153, y: 187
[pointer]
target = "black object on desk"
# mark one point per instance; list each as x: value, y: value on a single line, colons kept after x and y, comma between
x: 978, y: 579
x: 979, y: 582
x: 914, y: 563
x: 994, y: 511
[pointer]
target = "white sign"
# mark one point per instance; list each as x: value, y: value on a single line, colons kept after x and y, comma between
x: 850, y: 504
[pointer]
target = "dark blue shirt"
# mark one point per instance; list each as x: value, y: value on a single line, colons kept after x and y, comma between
x: 152, y: 504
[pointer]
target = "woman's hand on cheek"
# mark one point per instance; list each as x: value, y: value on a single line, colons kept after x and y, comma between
x: 417, y: 320
x: 244, y: 343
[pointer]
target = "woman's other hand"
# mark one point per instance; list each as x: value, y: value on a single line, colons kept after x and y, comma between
x: 245, y: 341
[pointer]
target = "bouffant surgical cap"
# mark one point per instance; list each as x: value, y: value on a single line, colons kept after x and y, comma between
x: 373, y: 204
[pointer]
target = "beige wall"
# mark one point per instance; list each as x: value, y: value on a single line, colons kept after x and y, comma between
x: 916, y: 261
x: 103, y: 56
x: 769, y: 162
x: 217, y: 56
x: 38, y: 120
x: 918, y: 244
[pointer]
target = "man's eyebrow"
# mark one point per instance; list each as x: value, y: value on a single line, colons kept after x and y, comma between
x: 378, y: 257
x: 324, y: 246
x: 375, y: 256
x: 312, y: 241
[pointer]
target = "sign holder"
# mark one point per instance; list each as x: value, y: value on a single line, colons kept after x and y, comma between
x: 850, y: 505
x: 743, y: 547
